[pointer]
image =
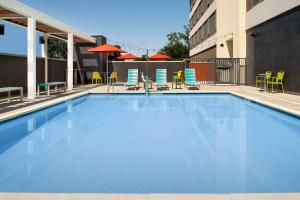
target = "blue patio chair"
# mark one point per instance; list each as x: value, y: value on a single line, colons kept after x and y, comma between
x: 132, y: 79
x: 161, y: 79
x: 190, y: 79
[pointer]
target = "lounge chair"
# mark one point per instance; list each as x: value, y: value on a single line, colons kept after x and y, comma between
x: 161, y: 79
x: 132, y: 79
x: 278, y: 80
x: 190, y: 79
x: 144, y: 81
x: 97, y: 77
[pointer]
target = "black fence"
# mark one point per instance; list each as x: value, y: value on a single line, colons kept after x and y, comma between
x: 220, y: 70
x: 14, y: 70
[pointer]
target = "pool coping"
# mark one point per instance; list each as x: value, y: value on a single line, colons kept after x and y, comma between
x: 39, y: 106
x: 177, y: 196
x: 87, y: 196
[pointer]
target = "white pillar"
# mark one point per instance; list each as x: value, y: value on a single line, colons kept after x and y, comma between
x: 43, y: 51
x: 45, y: 55
x: 31, y: 58
x: 70, y: 61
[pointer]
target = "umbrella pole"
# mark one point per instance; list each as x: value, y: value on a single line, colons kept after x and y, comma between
x: 147, y: 72
x: 107, y: 68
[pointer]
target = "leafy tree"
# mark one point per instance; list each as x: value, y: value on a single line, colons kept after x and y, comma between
x: 178, y: 45
x: 143, y: 57
x: 57, y: 48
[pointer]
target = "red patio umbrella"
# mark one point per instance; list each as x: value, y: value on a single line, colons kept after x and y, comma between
x: 106, y: 48
x: 128, y: 57
x: 159, y: 56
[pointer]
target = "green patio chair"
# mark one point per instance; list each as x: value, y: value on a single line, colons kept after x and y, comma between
x: 263, y: 81
x: 278, y: 81
x: 161, y: 79
x: 132, y: 79
x: 190, y: 79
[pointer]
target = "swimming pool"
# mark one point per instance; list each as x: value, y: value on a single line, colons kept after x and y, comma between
x: 207, y: 143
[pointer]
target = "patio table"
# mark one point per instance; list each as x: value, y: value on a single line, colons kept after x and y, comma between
x: 176, y: 80
x: 264, y: 77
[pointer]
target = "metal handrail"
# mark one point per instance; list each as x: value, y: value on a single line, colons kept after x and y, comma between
x: 109, y: 84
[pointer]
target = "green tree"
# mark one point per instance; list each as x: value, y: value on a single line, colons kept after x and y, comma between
x: 57, y: 48
x: 178, y: 45
x: 143, y: 57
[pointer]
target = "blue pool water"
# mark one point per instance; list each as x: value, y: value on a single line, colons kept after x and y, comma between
x: 157, y: 144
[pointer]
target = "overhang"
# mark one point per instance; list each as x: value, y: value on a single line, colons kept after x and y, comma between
x: 17, y: 13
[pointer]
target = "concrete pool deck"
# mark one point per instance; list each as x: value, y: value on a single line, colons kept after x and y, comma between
x: 15, y: 102
x: 48, y: 196
x: 285, y: 102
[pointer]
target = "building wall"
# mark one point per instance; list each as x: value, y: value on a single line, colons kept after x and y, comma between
x: 258, y: 14
x: 280, y: 51
x: 229, y: 35
x: 208, y: 53
x: 200, y: 39
x: 90, y: 61
x: 231, y: 29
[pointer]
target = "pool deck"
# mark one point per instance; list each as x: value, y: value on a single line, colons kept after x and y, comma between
x: 285, y: 102
x: 48, y: 196
x: 16, y: 104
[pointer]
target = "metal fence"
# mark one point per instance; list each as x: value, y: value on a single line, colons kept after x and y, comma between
x: 219, y: 70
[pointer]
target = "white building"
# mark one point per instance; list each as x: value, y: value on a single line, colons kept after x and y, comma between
x: 217, y: 29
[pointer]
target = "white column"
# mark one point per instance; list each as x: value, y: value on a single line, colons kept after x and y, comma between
x: 43, y: 50
x: 70, y: 61
x: 31, y: 58
x: 45, y: 55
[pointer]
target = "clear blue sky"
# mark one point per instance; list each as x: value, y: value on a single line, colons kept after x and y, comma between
x: 142, y: 23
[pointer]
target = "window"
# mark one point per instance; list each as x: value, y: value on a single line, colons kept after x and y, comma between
x: 192, y: 3
x: 202, y: 7
x: 208, y: 3
x: 197, y: 13
x: 200, y: 10
x: 215, y: 21
x: 194, y: 42
x: 208, y: 26
x: 251, y: 3
x: 213, y: 26
x: 204, y: 28
x: 200, y: 34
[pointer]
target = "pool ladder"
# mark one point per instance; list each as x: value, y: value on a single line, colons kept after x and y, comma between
x: 109, y: 92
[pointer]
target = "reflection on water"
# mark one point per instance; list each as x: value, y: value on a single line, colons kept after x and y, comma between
x: 13, y: 131
x: 156, y: 144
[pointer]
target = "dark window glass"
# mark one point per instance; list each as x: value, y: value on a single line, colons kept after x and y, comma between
x: 251, y: 3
